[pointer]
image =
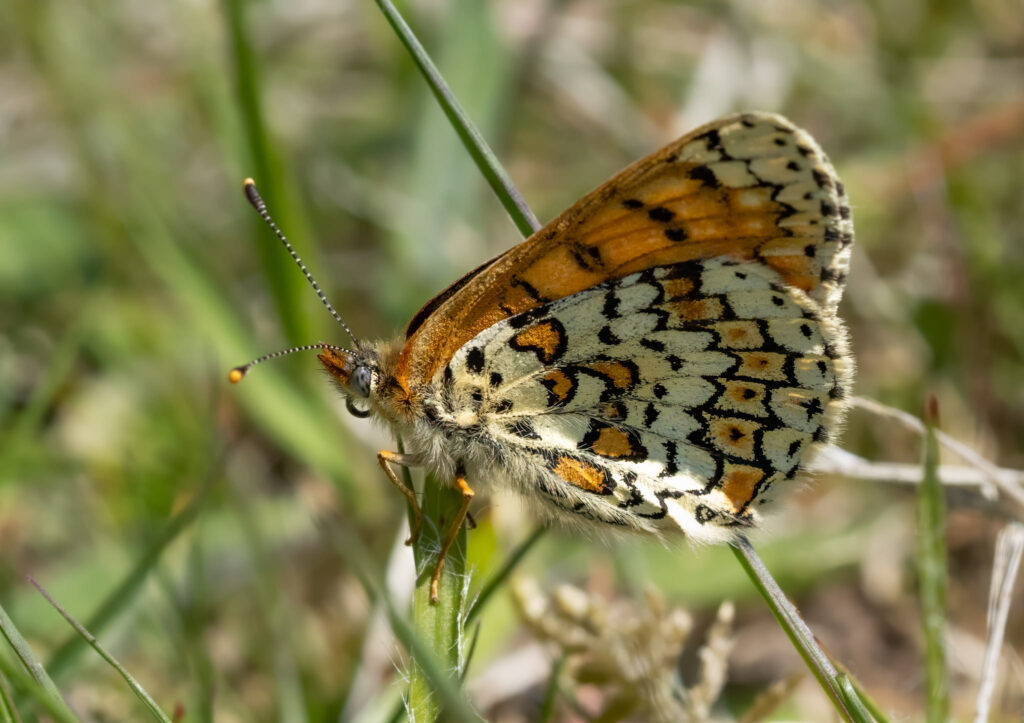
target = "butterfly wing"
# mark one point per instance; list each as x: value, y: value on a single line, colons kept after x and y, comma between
x: 750, y: 187
x: 676, y: 396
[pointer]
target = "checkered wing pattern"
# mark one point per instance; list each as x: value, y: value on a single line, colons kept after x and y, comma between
x: 676, y: 396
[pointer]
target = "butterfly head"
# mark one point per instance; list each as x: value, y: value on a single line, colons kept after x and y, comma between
x: 356, y: 373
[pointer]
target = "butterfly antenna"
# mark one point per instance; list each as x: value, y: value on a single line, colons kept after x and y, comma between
x: 257, y: 202
x: 238, y: 373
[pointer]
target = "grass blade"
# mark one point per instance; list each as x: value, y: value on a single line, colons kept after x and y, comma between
x: 794, y: 626
x: 8, y: 713
x: 547, y: 708
x: 468, y: 133
x: 287, y: 287
x: 931, y: 563
x: 272, y: 614
x: 470, y: 650
x: 439, y: 626
x: 854, y: 695
x: 38, y: 692
x: 851, y: 697
x: 437, y: 673
x: 42, y: 683
x: 139, y: 691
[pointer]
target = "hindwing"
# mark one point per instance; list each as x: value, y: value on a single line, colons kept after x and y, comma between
x: 675, y: 396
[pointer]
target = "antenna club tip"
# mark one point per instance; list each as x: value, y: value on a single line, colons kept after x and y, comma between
x: 237, y: 374
x: 251, y: 194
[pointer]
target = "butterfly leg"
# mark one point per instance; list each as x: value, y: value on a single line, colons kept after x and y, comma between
x: 386, y: 459
x: 453, y: 531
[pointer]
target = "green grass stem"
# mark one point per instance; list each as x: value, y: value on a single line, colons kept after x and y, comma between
x: 287, y: 286
x: 139, y: 691
x: 485, y: 159
x: 931, y: 563
x: 40, y: 693
x: 437, y: 672
x: 547, y: 707
x: 8, y: 712
x: 795, y: 628
x: 39, y: 684
x: 855, y: 696
x: 439, y: 626
x: 851, y: 697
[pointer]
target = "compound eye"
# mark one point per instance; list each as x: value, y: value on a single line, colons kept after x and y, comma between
x: 362, y: 379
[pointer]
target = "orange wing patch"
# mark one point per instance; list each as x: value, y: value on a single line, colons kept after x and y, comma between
x: 739, y: 483
x: 697, y: 309
x: 563, y: 267
x: 622, y: 375
x: 743, y: 396
x: 546, y: 339
x: 733, y: 436
x: 583, y: 475
x: 561, y: 387
x: 678, y: 288
x: 748, y: 187
x: 766, y: 365
x: 739, y: 335
x: 613, y: 442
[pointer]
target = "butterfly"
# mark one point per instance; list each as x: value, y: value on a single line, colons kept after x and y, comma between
x: 659, y: 358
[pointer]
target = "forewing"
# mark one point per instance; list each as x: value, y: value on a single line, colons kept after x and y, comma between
x: 749, y: 187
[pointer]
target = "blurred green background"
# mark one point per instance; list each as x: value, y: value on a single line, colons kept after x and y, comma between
x: 134, y: 275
